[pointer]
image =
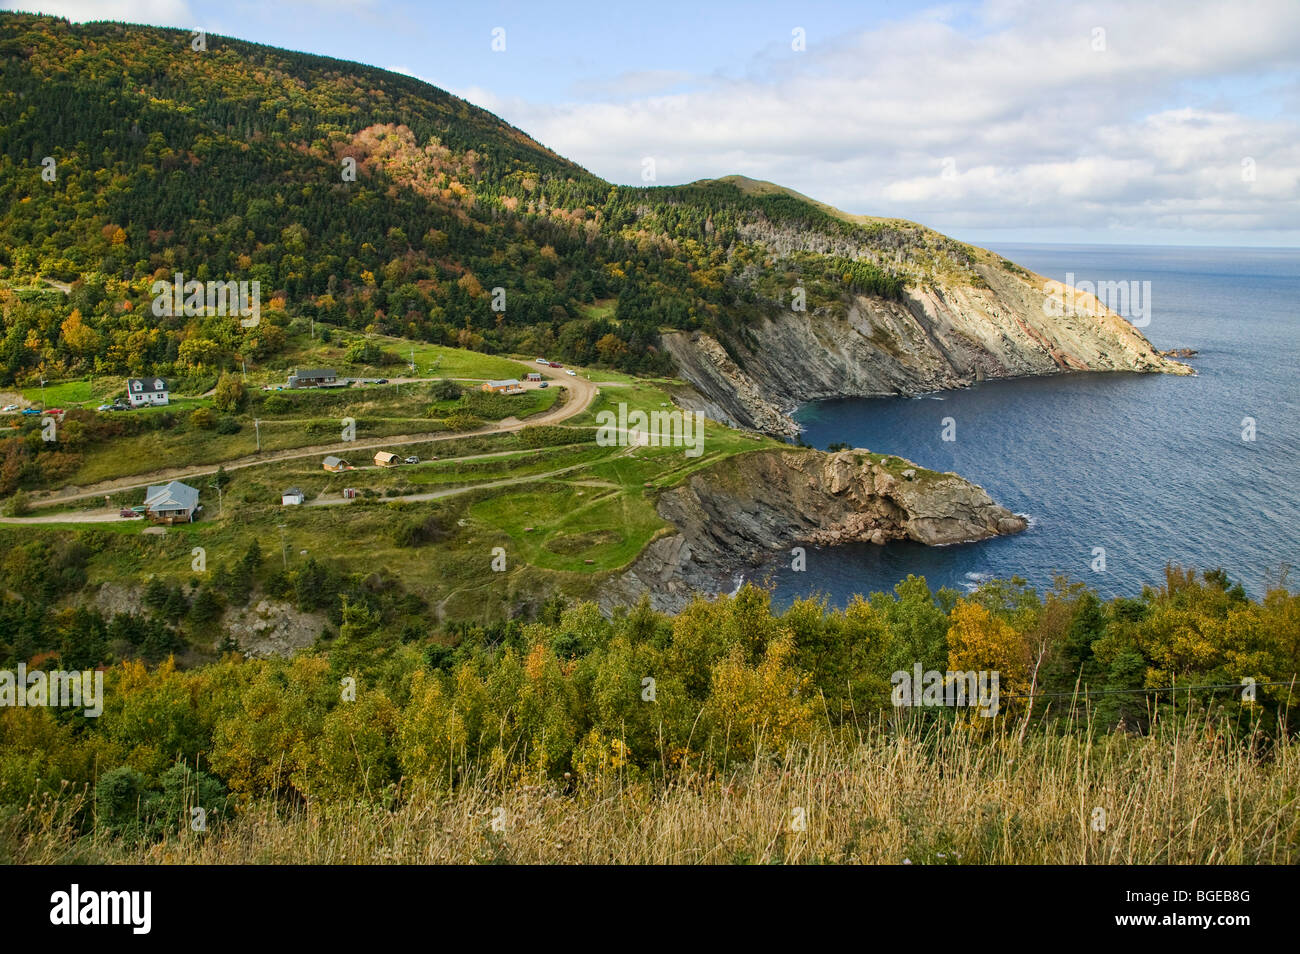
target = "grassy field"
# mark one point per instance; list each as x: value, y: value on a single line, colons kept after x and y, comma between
x: 290, y: 420
x: 572, y: 514
x: 602, y: 308
x: 71, y: 393
x: 567, y: 516
x: 459, y: 363
x: 892, y: 796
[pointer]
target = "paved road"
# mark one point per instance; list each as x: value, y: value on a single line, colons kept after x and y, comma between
x: 581, y: 393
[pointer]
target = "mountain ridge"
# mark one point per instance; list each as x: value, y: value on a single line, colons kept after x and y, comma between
x: 456, y: 228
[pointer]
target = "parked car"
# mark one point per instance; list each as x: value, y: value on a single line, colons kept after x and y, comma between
x: 55, y: 410
x: 555, y: 364
x: 571, y: 373
x: 9, y: 407
x: 381, y: 380
x: 128, y: 513
x: 542, y: 361
x: 31, y: 410
x: 412, y: 460
x: 119, y: 406
x: 544, y: 384
x: 104, y: 407
x: 139, y: 510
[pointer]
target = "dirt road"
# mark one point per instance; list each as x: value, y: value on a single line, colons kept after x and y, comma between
x: 581, y: 392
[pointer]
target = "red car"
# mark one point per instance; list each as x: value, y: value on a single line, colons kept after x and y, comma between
x: 556, y: 364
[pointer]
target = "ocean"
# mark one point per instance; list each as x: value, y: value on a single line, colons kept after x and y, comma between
x: 1119, y: 474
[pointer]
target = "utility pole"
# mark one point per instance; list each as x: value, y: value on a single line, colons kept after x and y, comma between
x: 257, y: 427
x: 245, y: 364
x: 221, y: 508
x: 413, y: 361
x: 42, y: 394
x: 313, y: 329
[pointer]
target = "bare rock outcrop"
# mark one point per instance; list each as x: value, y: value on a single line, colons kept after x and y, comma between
x: 743, y: 510
x: 937, y: 337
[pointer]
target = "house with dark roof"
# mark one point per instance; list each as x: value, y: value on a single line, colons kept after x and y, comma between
x: 313, y: 378
x: 147, y: 392
x: 172, y: 503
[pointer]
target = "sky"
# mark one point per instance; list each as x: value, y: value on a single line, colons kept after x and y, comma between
x: 1173, y: 122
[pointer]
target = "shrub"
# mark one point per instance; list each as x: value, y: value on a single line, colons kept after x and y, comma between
x: 230, y: 395
x: 446, y: 390
x: 463, y: 421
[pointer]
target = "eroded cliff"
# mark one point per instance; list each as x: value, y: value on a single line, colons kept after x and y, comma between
x: 745, y: 510
x: 1003, y: 322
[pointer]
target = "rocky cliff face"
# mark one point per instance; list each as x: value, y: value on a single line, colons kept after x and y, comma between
x: 745, y: 510
x: 937, y: 337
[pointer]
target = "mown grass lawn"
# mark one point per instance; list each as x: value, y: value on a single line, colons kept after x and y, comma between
x: 439, y: 361
x: 71, y: 393
x: 561, y: 525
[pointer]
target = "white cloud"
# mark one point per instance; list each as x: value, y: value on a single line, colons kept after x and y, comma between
x: 168, y: 13
x: 1043, y: 129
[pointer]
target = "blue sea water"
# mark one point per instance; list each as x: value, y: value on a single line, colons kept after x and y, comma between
x: 1152, y: 468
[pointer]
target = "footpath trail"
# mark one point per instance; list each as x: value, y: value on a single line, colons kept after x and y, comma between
x: 581, y: 392
x: 486, y: 485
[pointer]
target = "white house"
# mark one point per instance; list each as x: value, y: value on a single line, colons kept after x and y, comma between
x: 172, y: 503
x: 146, y: 392
x: 292, y: 497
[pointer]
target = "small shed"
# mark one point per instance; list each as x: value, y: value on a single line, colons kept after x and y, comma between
x: 334, y: 464
x: 385, y: 459
x: 293, y: 497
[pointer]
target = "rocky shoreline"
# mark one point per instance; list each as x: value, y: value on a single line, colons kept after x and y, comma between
x: 746, y: 510
x: 935, y: 338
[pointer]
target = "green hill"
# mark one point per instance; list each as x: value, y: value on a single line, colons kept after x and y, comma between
x: 126, y: 156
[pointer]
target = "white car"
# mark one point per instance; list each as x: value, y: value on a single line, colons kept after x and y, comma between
x: 542, y: 361
x: 104, y: 407
x: 10, y: 407
x: 570, y: 372
x: 412, y: 460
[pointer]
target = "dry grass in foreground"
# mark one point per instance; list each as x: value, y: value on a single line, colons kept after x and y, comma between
x: 941, y: 796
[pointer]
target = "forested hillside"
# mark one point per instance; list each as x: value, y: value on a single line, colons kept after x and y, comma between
x: 127, y: 156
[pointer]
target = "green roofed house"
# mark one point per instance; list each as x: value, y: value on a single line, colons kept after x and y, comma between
x: 172, y: 503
